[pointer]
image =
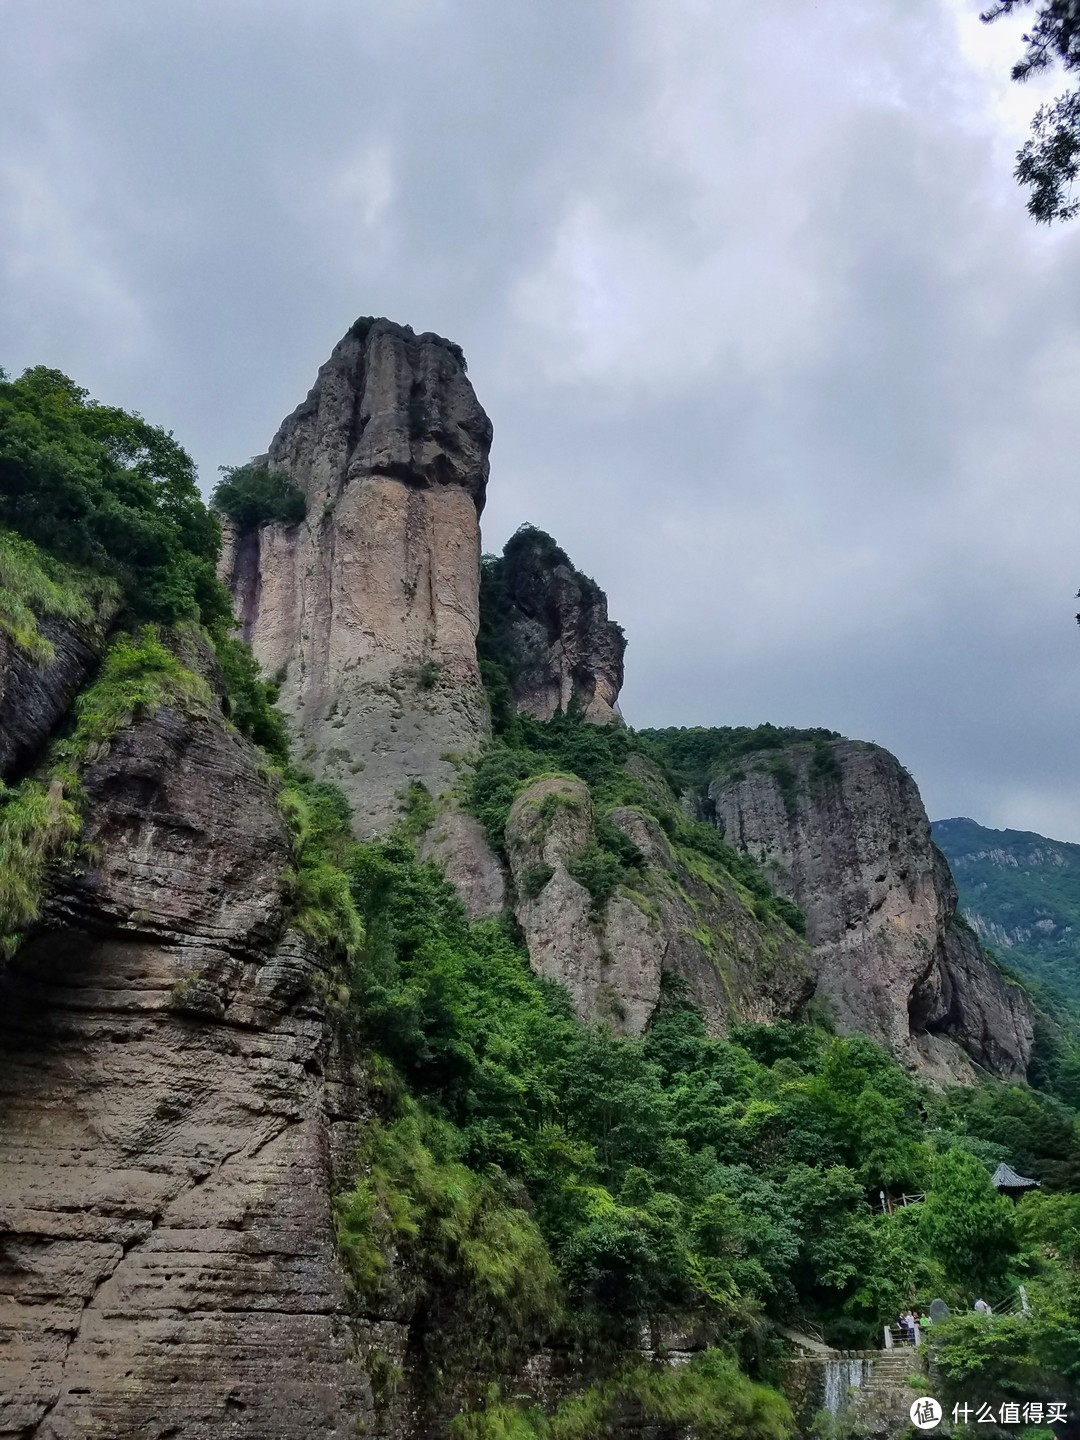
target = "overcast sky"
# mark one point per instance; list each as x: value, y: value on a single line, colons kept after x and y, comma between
x: 768, y: 340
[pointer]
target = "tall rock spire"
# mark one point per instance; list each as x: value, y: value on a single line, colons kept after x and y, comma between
x: 367, y: 610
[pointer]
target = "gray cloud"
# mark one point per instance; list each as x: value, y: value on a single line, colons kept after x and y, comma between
x: 767, y: 338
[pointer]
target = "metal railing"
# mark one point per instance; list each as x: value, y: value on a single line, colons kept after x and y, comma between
x: 897, y: 1336
x: 1016, y: 1303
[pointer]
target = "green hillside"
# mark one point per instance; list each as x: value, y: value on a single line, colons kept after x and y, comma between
x: 1021, y: 892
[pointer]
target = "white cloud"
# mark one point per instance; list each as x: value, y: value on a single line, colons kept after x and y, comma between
x: 56, y: 265
x: 767, y: 338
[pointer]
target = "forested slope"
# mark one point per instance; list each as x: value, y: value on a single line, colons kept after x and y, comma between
x: 1020, y: 892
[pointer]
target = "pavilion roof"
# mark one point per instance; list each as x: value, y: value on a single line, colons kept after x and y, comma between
x: 1006, y: 1178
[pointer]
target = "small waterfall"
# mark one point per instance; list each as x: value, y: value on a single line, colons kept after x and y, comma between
x: 842, y: 1376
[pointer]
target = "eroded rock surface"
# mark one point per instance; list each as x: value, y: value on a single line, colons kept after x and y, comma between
x: 611, y: 957
x: 35, y: 694
x: 167, y: 1125
x: 456, y: 843
x: 840, y: 828
x: 368, y: 609
x: 561, y: 650
x: 550, y: 824
x: 736, y: 965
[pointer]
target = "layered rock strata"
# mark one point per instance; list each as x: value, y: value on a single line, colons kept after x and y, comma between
x: 367, y: 610
x: 168, y: 1124
x: 667, y: 917
x: 840, y: 828
x: 35, y: 694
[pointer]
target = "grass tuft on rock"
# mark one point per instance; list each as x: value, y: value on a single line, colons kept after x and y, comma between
x: 33, y: 586
x: 41, y: 818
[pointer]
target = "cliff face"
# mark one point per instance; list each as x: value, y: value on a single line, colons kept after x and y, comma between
x: 179, y: 1105
x: 368, y: 608
x: 610, y: 951
x: 547, y: 625
x: 34, y: 695
x: 841, y: 829
x: 169, y: 1123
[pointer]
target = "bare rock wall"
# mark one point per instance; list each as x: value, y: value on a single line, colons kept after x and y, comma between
x: 168, y: 1125
x: 668, y: 918
x: 367, y: 610
x: 840, y: 829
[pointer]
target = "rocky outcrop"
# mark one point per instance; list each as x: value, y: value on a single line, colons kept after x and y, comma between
x: 840, y: 828
x: 737, y: 965
x: 367, y: 610
x: 550, y: 825
x: 550, y: 630
x: 611, y: 952
x: 970, y: 999
x: 34, y: 694
x: 456, y: 843
x: 169, y: 1124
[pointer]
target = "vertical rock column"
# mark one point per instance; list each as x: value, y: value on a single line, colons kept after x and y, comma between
x: 367, y: 610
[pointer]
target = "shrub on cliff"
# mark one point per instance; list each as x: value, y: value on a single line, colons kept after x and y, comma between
x: 252, y: 701
x: 254, y: 494
x: 709, y: 1398
x: 467, y: 1250
x: 317, y: 885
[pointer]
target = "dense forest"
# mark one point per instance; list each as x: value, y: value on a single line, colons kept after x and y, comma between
x: 1021, y: 892
x: 535, y: 1179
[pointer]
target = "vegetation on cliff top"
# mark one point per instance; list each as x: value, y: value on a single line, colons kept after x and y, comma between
x: 253, y: 494
x: 100, y: 488
x: 698, y: 754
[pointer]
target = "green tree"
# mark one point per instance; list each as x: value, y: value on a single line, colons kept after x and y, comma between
x: 252, y: 494
x: 1048, y: 162
x: 102, y: 488
x: 967, y: 1227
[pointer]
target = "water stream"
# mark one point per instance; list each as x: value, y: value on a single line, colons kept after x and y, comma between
x: 842, y: 1375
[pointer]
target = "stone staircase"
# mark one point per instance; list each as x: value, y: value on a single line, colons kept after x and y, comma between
x: 871, y: 1387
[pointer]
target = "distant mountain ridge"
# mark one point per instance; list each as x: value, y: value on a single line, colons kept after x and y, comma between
x: 1020, y: 892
